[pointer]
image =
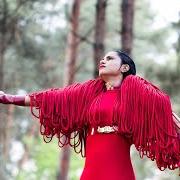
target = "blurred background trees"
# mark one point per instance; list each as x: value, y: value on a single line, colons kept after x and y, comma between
x: 42, y: 42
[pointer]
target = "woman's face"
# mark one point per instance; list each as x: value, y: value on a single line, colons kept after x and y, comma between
x: 110, y: 64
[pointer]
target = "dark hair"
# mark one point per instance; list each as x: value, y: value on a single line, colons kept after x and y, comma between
x: 126, y: 59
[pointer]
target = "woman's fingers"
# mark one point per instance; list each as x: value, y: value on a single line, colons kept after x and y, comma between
x: 2, y: 93
x: 176, y: 121
x: 176, y: 116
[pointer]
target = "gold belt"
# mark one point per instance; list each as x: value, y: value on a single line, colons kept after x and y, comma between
x: 105, y: 129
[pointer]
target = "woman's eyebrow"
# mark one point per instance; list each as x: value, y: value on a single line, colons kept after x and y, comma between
x: 109, y: 56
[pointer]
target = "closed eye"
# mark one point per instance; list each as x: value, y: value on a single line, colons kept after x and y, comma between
x: 109, y: 57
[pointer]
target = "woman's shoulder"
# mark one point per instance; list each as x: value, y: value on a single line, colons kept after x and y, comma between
x: 138, y: 81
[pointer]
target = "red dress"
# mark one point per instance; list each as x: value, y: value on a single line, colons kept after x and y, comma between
x: 107, y: 155
x: 141, y: 111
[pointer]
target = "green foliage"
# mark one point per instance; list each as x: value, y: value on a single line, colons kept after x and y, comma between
x: 45, y: 157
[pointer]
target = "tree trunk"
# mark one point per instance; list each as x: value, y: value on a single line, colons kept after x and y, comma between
x: 69, y: 76
x: 3, y: 110
x: 72, y: 44
x: 127, y: 9
x: 3, y: 125
x: 64, y: 163
x: 2, y: 52
x: 7, y: 130
x: 100, y: 24
x: 178, y: 54
x: 176, y: 27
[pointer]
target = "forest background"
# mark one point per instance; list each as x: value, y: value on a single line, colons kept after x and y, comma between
x: 55, y: 43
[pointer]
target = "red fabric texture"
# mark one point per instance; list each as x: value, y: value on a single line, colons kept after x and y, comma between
x: 107, y: 155
x: 142, y: 112
x: 62, y: 112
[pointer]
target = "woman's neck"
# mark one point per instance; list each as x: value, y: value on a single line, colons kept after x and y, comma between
x: 113, y: 81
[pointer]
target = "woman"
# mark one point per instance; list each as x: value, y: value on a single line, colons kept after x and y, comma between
x: 103, y: 117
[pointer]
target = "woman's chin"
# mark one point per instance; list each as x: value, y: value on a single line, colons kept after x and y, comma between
x: 103, y: 74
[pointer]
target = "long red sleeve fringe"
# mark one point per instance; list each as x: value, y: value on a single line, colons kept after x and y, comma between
x: 142, y: 112
x: 145, y: 115
x: 62, y: 112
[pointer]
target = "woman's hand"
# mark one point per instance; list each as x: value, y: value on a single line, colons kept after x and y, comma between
x: 12, y: 99
x: 176, y: 121
x: 2, y: 97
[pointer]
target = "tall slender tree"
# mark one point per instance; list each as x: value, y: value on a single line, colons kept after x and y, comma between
x: 72, y: 44
x: 69, y: 76
x: 176, y: 26
x: 127, y: 12
x: 99, y: 37
x: 8, y: 28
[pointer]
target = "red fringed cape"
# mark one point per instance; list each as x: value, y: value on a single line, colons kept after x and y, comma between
x: 142, y: 112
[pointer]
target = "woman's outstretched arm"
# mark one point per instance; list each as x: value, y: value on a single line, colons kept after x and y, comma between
x: 62, y: 112
x: 19, y: 100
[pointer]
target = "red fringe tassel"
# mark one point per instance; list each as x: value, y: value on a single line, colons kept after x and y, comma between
x: 142, y: 112
x: 145, y: 115
x: 62, y: 112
